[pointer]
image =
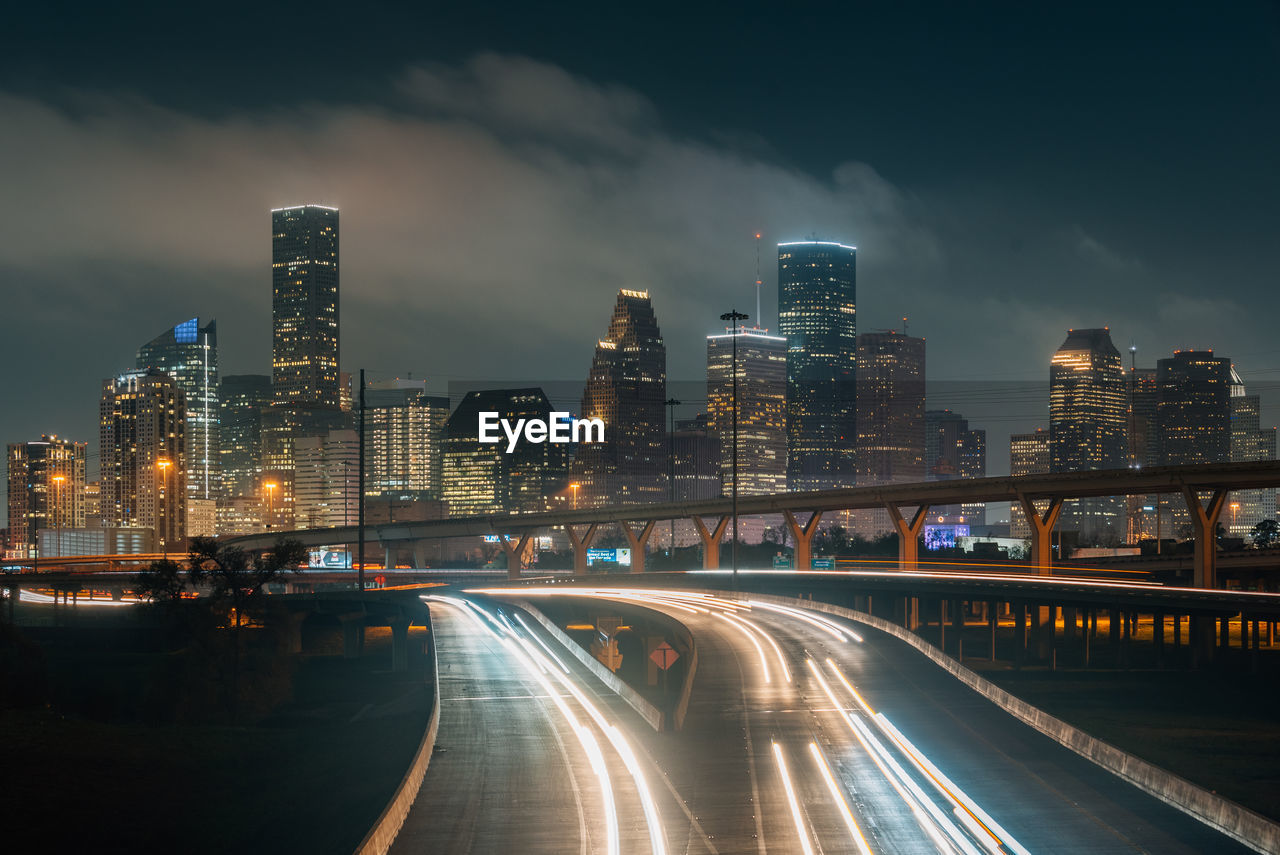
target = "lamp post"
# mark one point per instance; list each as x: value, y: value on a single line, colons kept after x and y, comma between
x: 57, y: 517
x: 574, y: 487
x: 270, y: 487
x: 672, y: 403
x: 164, y: 507
x: 733, y: 317
x: 1235, y: 509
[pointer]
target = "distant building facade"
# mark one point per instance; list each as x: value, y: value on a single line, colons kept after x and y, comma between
x: 1028, y: 455
x: 326, y: 481
x: 762, y: 408
x: 817, y: 305
x: 627, y: 390
x: 951, y: 451
x: 304, y: 307
x: 1250, y: 442
x: 142, y: 424
x: 404, y: 428
x: 46, y: 488
x: 890, y: 417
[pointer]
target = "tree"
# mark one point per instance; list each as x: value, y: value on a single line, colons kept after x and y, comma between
x: 1266, y: 534
x: 237, y: 578
x: 161, y: 582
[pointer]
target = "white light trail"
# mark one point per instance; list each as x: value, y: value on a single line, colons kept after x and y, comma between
x: 792, y: 802
x: 821, y: 623
x: 782, y: 661
x: 764, y: 660
x: 841, y: 802
x: 535, y: 637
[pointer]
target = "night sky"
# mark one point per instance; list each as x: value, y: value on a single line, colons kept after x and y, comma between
x: 1006, y: 170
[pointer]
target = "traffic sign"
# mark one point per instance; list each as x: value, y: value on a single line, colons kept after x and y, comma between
x: 608, y: 626
x: 664, y: 656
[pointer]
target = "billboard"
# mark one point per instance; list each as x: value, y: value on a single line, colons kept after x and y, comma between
x: 943, y: 536
x: 329, y: 559
x: 609, y: 556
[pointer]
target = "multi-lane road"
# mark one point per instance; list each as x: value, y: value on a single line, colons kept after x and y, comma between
x: 805, y: 734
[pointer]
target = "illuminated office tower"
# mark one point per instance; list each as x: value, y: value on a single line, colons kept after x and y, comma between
x: 762, y: 403
x: 626, y: 389
x: 890, y: 417
x: 1193, y: 408
x: 189, y: 354
x: 482, y: 478
x: 1249, y: 442
x: 1143, y: 399
x: 326, y: 480
x: 696, y: 460
x: 817, y: 291
x: 403, y: 432
x: 1088, y: 425
x: 46, y: 488
x: 142, y: 424
x: 304, y: 307
x: 1028, y: 455
x: 244, y: 397
x: 951, y: 451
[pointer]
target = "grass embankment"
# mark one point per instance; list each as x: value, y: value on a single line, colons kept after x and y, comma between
x: 311, y: 776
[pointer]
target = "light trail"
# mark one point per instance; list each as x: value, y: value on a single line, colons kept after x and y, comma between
x: 535, y: 637
x: 768, y: 636
x: 792, y: 802
x: 828, y: 626
x: 842, y: 803
x: 764, y: 660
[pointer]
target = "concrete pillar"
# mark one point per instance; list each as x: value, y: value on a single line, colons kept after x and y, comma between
x: 638, y: 543
x: 581, y: 543
x: 957, y: 623
x: 711, y: 541
x: 400, y: 643
x: 1019, y: 633
x: 293, y: 631
x: 1053, y: 637
x: 1224, y: 633
x: 1204, y: 521
x: 515, y: 553
x: 991, y: 627
x: 1041, y: 532
x: 908, y: 535
x: 388, y: 558
x: 942, y: 625
x: 352, y: 635
x: 803, y: 536
x: 419, y: 554
x: 1157, y: 634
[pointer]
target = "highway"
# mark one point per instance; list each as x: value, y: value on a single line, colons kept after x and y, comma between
x: 805, y: 734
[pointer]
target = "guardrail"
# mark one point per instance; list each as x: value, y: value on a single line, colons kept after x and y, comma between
x: 1236, y: 821
x: 379, y: 839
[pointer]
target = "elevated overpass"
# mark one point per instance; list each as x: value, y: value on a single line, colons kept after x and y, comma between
x: 1204, y: 488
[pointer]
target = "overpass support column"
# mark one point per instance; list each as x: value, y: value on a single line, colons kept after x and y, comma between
x: 581, y: 543
x: 420, y: 554
x: 1204, y: 521
x: 400, y: 643
x: 352, y: 634
x: 638, y: 543
x: 388, y: 558
x: 908, y: 535
x: 710, y: 541
x: 515, y: 554
x: 1041, y: 532
x: 804, y: 538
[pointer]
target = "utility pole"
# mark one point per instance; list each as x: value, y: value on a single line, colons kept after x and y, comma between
x: 672, y: 403
x: 360, y: 487
x: 734, y: 317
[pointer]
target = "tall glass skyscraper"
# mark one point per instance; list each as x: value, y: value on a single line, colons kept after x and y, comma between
x: 46, y: 488
x: 890, y: 418
x: 626, y: 389
x: 244, y: 397
x: 1193, y: 408
x: 1088, y: 426
x: 762, y: 403
x: 817, y: 297
x: 189, y: 354
x: 403, y: 429
x: 304, y: 306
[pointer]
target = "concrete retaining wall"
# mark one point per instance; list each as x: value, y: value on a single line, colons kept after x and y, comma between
x: 379, y: 839
x: 647, y: 711
x: 1251, y: 829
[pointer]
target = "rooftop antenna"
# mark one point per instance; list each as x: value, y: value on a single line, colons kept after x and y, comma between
x: 1133, y: 356
x: 904, y: 324
x: 758, y: 282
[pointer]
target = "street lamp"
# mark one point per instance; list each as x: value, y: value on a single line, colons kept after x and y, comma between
x: 270, y: 487
x: 672, y: 403
x: 574, y: 487
x: 164, y: 506
x: 57, y: 517
x: 1235, y: 509
x: 733, y: 317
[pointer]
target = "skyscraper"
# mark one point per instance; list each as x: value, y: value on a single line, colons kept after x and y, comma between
x: 762, y: 400
x: 890, y: 417
x: 403, y: 430
x: 326, y: 480
x: 696, y: 461
x: 142, y: 423
x: 817, y: 297
x: 953, y: 451
x: 243, y: 398
x: 46, y: 488
x: 1193, y: 408
x: 1249, y: 442
x: 626, y: 389
x: 304, y: 306
x: 1143, y: 399
x: 481, y: 478
x: 1028, y: 455
x: 1088, y: 423
x: 189, y: 354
